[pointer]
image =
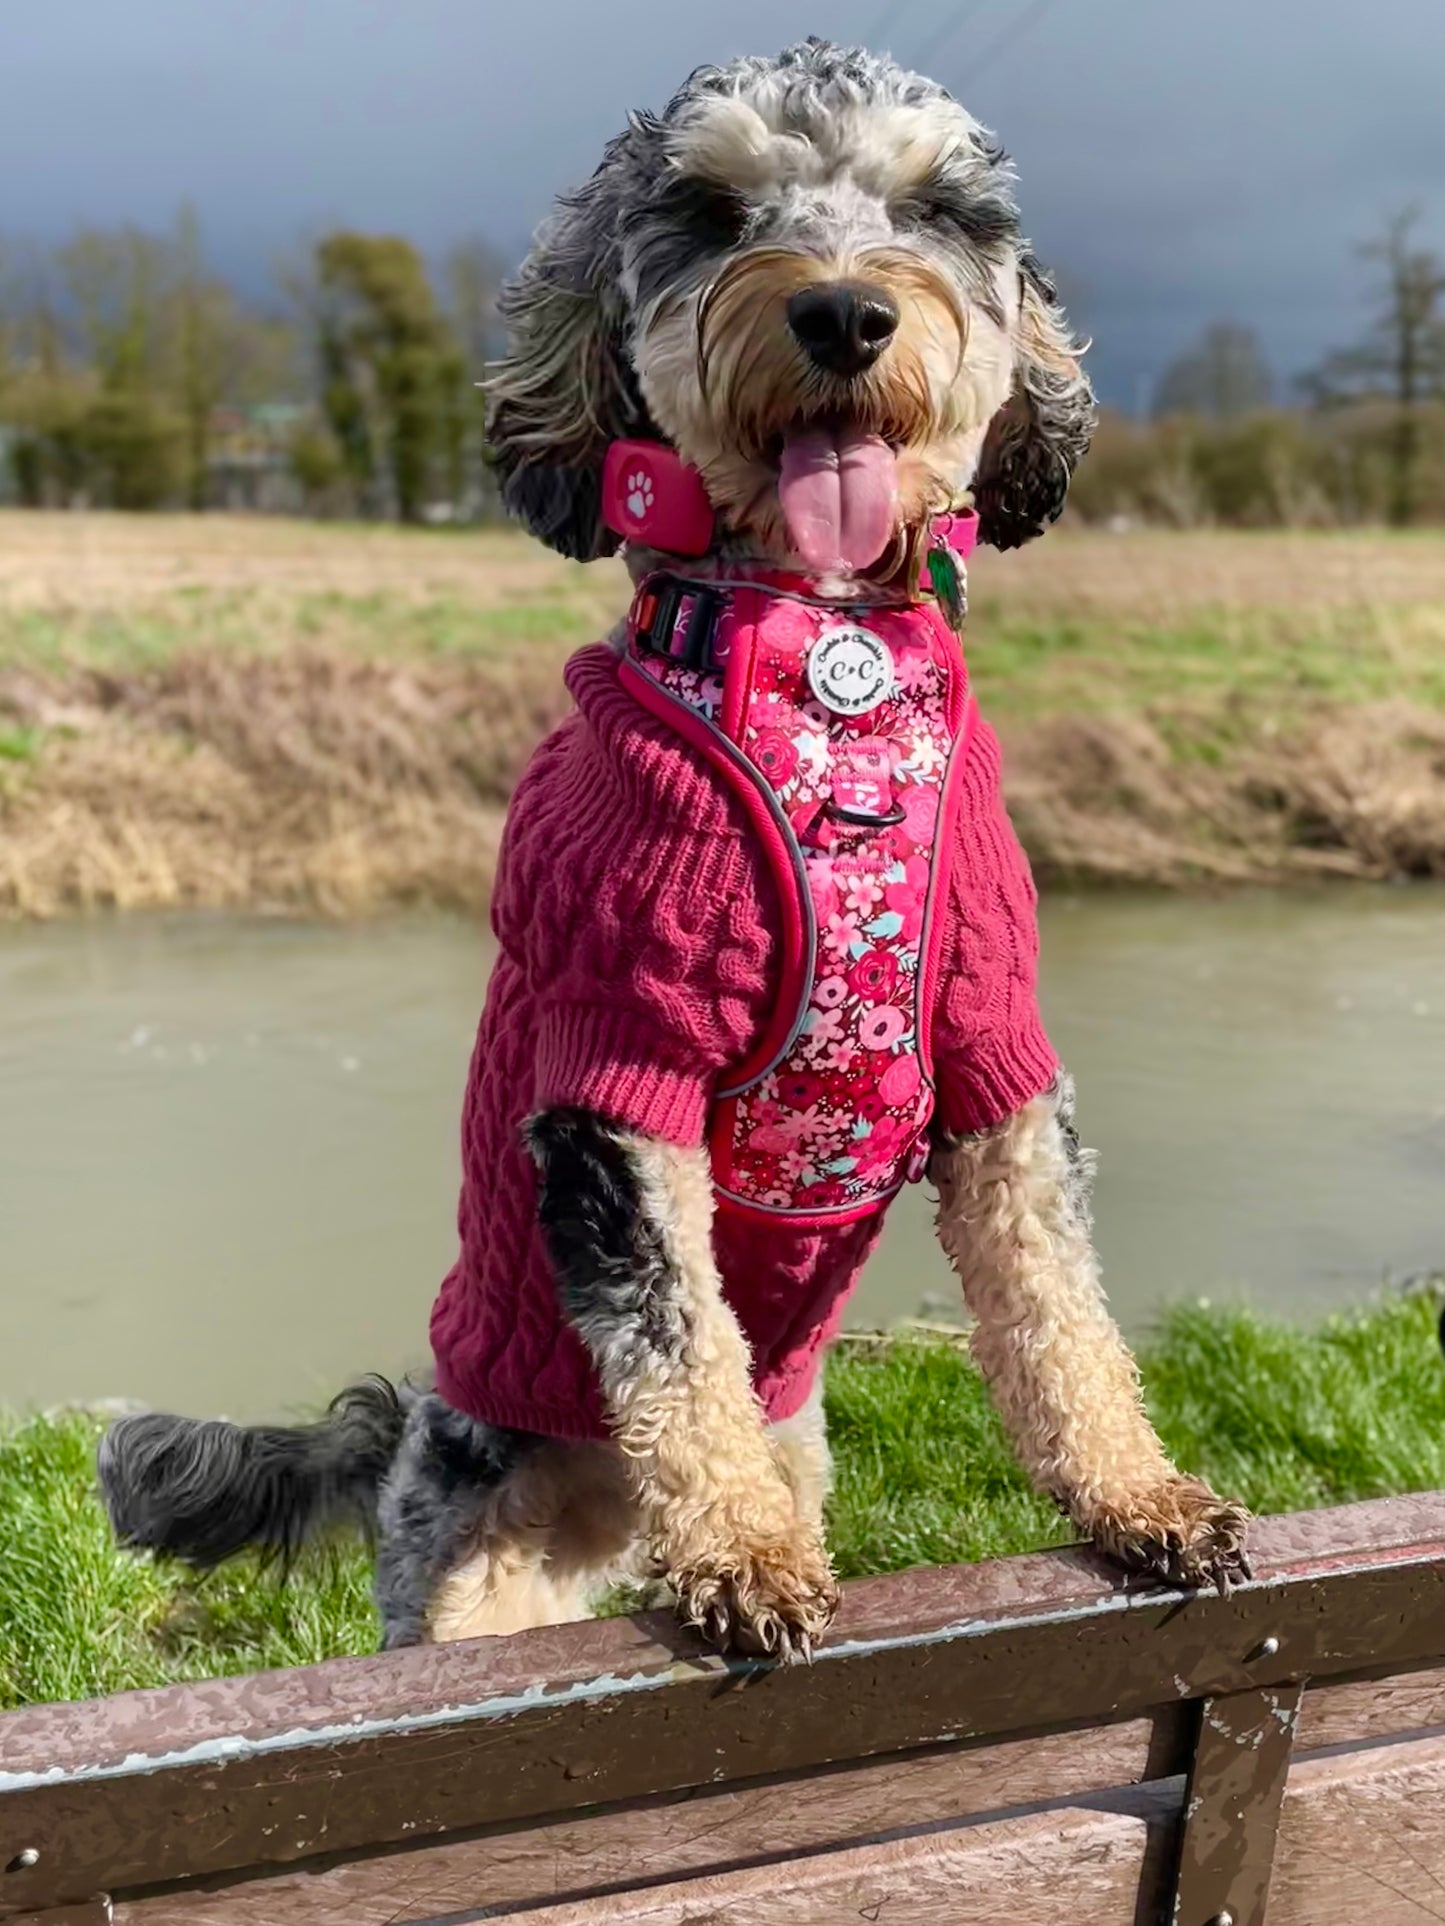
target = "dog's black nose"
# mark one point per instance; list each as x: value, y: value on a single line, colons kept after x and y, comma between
x: 843, y: 325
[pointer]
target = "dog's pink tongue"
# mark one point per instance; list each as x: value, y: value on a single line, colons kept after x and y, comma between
x: 840, y: 496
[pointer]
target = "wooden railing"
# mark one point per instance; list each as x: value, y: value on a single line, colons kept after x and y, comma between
x: 1023, y: 1742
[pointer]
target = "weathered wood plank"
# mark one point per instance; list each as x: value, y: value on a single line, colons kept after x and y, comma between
x: 428, y: 1681
x: 1049, y: 1869
x: 689, y: 1833
x: 1376, y: 1706
x: 917, y: 1662
x: 1362, y: 1837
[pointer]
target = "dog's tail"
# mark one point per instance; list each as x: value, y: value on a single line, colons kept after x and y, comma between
x: 203, y: 1490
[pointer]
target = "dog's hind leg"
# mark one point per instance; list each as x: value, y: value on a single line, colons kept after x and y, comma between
x: 1014, y: 1218
x: 439, y: 1494
x: 628, y: 1224
x: 554, y: 1536
x: 802, y: 1446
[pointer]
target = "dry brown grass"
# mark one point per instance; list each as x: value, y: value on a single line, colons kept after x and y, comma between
x: 244, y: 712
x: 114, y: 562
x: 1163, y: 575
x: 1342, y: 792
x: 309, y: 781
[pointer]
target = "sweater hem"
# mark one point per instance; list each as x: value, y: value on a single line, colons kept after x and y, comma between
x: 571, y: 1424
x: 980, y: 1099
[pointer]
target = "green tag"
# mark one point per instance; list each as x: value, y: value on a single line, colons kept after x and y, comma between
x: 948, y: 585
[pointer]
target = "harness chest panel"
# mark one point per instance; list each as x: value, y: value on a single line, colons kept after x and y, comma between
x: 842, y: 731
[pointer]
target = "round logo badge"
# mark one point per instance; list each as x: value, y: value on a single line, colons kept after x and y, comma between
x: 850, y: 670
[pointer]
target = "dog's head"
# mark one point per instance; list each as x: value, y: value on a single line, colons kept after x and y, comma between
x: 808, y: 276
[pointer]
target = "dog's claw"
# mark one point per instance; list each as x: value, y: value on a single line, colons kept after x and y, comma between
x: 1185, y: 1538
x: 763, y: 1606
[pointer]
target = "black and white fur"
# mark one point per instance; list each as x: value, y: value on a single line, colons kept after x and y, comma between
x: 653, y: 303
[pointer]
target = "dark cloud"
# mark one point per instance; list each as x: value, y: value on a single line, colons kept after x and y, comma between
x: 1179, y: 163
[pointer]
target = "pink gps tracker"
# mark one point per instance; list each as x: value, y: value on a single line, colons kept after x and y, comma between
x: 651, y: 496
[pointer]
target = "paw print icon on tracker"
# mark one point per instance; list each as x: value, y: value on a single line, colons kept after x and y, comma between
x: 640, y: 494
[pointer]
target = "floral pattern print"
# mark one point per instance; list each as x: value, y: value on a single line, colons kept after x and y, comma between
x: 839, y: 1123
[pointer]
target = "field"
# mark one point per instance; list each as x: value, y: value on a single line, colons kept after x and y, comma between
x: 1287, y: 1419
x: 223, y: 711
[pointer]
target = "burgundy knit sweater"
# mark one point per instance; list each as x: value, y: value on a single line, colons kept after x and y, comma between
x: 638, y: 924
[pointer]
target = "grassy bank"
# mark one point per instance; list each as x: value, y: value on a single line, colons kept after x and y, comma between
x: 1288, y: 1419
x: 239, y: 712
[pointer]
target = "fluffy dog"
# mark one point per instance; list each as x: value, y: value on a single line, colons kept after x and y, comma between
x: 807, y: 280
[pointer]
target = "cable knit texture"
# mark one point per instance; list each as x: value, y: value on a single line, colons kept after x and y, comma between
x: 638, y: 929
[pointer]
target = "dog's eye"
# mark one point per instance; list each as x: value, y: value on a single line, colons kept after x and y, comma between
x: 982, y: 222
x: 714, y: 215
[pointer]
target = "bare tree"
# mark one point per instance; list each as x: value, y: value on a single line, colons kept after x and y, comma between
x: 1401, y: 358
x: 1222, y: 378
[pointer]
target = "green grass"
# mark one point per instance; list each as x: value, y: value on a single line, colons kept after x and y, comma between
x: 1225, y: 664
x: 385, y: 626
x: 1287, y: 1419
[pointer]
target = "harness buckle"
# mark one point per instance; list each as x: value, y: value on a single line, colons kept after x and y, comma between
x: 658, y: 608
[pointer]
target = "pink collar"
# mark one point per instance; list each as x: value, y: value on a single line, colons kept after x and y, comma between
x: 651, y: 496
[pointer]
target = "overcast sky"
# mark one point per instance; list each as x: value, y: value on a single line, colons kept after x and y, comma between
x: 1180, y: 163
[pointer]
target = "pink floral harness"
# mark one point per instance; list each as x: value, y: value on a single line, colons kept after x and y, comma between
x: 842, y: 730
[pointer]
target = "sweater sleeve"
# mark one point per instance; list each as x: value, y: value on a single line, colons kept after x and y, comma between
x: 643, y: 923
x: 991, y: 1053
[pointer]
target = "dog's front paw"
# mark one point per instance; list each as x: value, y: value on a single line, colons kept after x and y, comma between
x: 1181, y: 1534
x: 771, y: 1600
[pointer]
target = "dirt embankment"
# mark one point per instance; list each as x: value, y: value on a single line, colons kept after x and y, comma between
x: 223, y: 711
x: 320, y: 782
x: 312, y: 782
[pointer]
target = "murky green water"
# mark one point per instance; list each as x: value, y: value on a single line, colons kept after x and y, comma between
x: 228, y: 1160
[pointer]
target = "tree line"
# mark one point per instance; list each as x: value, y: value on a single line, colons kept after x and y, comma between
x: 1363, y: 442
x: 133, y: 376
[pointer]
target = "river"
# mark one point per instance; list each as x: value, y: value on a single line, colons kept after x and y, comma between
x: 228, y: 1161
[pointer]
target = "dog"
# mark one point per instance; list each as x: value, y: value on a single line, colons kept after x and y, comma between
x: 759, y: 963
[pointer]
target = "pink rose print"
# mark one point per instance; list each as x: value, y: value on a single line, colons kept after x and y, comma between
x: 875, y: 975
x: 842, y: 931
x: 823, y: 890
x: 832, y: 991
x: 815, y: 1126
x: 884, y: 1145
x: 913, y: 670
x: 799, y: 1088
x: 823, y: 1026
x: 920, y: 812
x: 882, y: 1027
x: 927, y: 758
x: 836, y: 1121
x: 775, y: 755
x: 900, y: 1082
x: 907, y: 898
x: 861, y: 892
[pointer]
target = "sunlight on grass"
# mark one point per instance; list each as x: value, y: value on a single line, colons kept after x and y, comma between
x: 1284, y: 1418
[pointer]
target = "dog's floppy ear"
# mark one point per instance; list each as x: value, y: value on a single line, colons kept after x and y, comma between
x: 1037, y: 439
x: 565, y: 387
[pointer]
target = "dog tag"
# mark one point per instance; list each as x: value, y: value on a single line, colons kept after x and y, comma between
x: 850, y: 670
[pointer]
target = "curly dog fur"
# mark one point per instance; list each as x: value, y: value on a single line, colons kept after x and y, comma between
x: 656, y: 302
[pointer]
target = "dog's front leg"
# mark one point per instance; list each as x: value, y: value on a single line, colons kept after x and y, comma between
x: 628, y: 1226
x: 1014, y: 1217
